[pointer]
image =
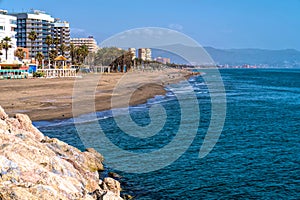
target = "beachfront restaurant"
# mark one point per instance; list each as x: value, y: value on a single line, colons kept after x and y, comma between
x: 12, y: 71
x: 12, y: 74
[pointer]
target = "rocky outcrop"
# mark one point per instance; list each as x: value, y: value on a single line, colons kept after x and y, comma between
x: 33, y: 166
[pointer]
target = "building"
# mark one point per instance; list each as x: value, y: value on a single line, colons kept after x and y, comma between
x: 133, y: 51
x: 61, y: 31
x: 8, y: 25
x: 145, y: 54
x: 163, y: 60
x: 90, y: 42
x: 39, y: 22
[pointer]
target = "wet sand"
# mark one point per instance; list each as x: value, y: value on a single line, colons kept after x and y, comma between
x: 48, y: 99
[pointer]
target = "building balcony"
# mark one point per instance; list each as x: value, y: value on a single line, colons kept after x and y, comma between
x: 34, y: 27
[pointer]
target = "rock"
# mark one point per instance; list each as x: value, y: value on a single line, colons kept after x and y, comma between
x: 113, y: 185
x: 3, y: 114
x: 35, y: 167
x: 10, y: 171
x: 98, y: 194
x: 114, y: 175
x: 3, y: 126
x: 7, y: 193
x: 93, y: 160
x: 110, y: 196
x: 13, y: 124
x: 26, y: 124
x: 127, y: 197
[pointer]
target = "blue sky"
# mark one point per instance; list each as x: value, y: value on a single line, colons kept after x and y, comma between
x: 264, y: 24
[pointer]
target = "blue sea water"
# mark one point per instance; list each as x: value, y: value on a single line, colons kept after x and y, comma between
x: 256, y: 157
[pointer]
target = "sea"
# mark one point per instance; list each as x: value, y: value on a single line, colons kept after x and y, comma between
x: 256, y: 154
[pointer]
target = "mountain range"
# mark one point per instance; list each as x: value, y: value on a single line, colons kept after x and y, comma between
x: 286, y: 58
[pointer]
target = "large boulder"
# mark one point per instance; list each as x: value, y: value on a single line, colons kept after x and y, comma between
x: 33, y: 166
x: 112, y: 185
x: 26, y: 124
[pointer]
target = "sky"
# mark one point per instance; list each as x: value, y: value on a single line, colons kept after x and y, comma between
x: 265, y: 24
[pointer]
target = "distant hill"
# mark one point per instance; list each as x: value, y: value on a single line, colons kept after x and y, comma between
x: 271, y: 58
x: 260, y: 57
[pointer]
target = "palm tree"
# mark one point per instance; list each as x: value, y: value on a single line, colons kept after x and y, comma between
x: 49, y: 42
x: 20, y: 53
x: 1, y: 47
x: 63, y: 48
x: 73, y: 50
x: 39, y: 56
x: 82, y: 53
x: 6, y: 45
x: 32, y: 36
x: 56, y: 41
x: 53, y: 54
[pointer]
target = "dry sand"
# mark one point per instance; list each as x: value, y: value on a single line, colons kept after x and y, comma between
x: 48, y: 99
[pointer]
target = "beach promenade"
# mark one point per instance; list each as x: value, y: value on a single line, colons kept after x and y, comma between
x: 47, y: 99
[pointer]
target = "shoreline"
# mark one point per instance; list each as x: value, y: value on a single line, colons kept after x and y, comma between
x: 51, y: 99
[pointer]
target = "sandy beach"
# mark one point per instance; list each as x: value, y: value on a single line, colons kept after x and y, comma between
x: 48, y: 99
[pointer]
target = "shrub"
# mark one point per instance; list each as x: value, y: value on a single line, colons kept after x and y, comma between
x: 38, y: 74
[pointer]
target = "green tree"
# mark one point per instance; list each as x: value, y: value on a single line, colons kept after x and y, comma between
x: 6, y: 45
x: 63, y: 48
x: 73, y: 50
x: 125, y: 59
x: 56, y: 41
x: 53, y: 54
x: 106, y: 56
x: 39, y: 56
x: 114, y: 57
x: 20, y: 53
x: 1, y: 47
x: 82, y: 53
x: 49, y: 42
x: 32, y: 36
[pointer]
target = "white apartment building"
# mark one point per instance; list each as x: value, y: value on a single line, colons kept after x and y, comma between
x: 133, y: 51
x: 8, y: 25
x: 61, y: 30
x: 90, y: 42
x: 145, y: 54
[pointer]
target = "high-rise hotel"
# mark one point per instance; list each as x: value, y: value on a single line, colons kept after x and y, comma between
x: 44, y: 25
x: 39, y: 22
x: 145, y: 54
x: 90, y: 42
x: 61, y: 31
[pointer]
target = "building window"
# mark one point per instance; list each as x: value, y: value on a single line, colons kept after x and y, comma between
x: 13, y: 21
x: 2, y: 28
